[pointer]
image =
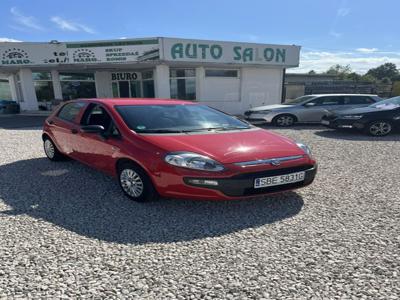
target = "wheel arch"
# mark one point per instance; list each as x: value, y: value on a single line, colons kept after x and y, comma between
x: 285, y: 114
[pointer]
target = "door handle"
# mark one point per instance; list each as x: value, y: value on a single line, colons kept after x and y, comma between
x: 74, y: 131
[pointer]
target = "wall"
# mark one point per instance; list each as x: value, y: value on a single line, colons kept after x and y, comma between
x: 257, y: 86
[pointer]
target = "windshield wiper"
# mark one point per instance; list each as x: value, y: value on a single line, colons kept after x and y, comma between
x: 160, y: 131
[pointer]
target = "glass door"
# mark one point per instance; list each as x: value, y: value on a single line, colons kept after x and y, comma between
x: 123, y: 87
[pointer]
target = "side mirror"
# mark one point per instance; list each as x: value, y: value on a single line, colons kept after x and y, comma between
x: 92, y: 129
x: 309, y: 104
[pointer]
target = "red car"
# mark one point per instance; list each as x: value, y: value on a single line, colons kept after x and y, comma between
x: 176, y: 149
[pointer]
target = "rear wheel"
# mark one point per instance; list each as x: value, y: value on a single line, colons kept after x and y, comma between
x: 285, y: 120
x: 51, y: 151
x: 379, y: 128
x: 135, y: 183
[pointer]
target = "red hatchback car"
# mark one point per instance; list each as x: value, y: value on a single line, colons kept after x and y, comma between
x: 176, y: 149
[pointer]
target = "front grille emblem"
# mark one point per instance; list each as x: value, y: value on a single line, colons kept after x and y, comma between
x: 275, y: 162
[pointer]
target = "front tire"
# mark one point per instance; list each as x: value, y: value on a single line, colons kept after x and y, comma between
x: 284, y: 120
x: 51, y: 151
x: 135, y: 183
x: 379, y: 128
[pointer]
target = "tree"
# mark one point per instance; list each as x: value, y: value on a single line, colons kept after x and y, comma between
x: 387, y: 70
x: 341, y: 71
x: 312, y: 72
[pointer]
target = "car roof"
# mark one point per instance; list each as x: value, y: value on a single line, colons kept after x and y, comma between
x: 319, y: 95
x: 136, y: 101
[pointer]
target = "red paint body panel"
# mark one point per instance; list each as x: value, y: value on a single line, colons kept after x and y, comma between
x: 149, y: 150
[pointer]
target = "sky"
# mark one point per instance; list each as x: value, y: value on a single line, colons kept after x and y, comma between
x: 361, y: 33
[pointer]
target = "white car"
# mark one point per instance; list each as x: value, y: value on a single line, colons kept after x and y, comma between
x: 307, y: 109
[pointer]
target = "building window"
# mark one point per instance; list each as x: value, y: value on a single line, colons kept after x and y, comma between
x: 77, y: 85
x: 221, y: 73
x: 148, y: 84
x: 5, y: 91
x: 44, y: 89
x: 183, y: 84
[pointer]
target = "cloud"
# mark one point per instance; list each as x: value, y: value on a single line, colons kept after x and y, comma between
x: 335, y: 34
x: 71, y: 26
x: 8, y: 40
x: 343, y: 11
x: 27, y: 22
x: 367, y: 50
x: 359, y: 62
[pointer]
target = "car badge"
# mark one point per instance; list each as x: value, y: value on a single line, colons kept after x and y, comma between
x: 275, y: 162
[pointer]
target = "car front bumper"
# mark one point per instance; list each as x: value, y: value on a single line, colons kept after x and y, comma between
x: 235, y: 185
x: 256, y: 118
x: 337, y: 123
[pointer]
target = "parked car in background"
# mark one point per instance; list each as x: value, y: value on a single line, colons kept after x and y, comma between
x: 176, y: 149
x: 378, y: 119
x: 9, y: 107
x: 307, y: 109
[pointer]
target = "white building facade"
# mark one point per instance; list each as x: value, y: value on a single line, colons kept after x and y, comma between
x: 225, y: 75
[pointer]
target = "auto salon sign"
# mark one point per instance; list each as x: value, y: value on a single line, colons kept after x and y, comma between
x: 230, y: 52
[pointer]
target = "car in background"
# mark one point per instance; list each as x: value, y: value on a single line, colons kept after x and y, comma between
x: 307, y: 109
x: 176, y: 149
x: 378, y: 119
x: 9, y: 107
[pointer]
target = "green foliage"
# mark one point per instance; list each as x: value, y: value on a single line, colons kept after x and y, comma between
x: 387, y: 70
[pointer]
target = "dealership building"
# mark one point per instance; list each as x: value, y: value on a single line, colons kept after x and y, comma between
x: 230, y: 76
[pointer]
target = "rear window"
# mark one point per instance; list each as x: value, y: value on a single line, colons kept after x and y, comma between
x: 355, y: 100
x: 69, y: 111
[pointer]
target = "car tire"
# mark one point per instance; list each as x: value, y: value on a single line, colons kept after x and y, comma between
x: 284, y: 120
x: 51, y: 150
x: 135, y: 183
x: 379, y: 128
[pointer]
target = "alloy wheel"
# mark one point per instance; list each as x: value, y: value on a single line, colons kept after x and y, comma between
x: 380, y: 128
x: 49, y: 148
x: 285, y: 121
x: 131, y: 183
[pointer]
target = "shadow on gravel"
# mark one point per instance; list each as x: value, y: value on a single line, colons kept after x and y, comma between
x: 91, y: 204
x: 21, y: 122
x: 353, y: 135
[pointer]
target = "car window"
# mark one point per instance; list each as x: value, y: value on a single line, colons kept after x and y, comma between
x: 328, y: 100
x: 69, y: 111
x: 97, y: 115
x: 357, y: 100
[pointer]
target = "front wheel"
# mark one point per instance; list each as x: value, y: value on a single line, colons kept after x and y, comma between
x: 284, y: 120
x: 51, y: 151
x: 135, y: 183
x: 379, y: 128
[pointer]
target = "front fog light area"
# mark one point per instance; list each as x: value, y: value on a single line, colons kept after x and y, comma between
x: 205, y: 182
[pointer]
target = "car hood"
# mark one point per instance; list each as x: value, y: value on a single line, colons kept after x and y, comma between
x: 268, y: 107
x: 229, y: 147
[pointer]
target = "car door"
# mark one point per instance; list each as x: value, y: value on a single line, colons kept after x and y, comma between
x: 65, y: 125
x: 97, y: 150
x: 316, y: 108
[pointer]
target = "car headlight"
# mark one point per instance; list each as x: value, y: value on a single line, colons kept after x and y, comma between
x: 193, y: 161
x: 352, y: 117
x: 305, y: 148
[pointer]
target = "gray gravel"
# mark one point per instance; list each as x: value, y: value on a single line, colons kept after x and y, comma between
x: 67, y: 231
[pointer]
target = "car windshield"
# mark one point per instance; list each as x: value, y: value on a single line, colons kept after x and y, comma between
x: 177, y: 118
x: 390, y: 103
x: 298, y: 100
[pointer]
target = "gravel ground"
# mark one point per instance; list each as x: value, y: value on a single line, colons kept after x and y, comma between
x: 67, y: 231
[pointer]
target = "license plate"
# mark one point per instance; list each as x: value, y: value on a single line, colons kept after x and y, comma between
x: 325, y: 122
x: 279, y: 180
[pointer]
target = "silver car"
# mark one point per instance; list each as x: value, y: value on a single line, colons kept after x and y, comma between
x: 307, y: 109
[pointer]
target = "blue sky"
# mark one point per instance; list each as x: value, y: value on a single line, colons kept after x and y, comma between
x: 362, y: 33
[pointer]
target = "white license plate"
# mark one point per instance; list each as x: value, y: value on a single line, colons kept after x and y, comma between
x: 324, y: 122
x: 279, y: 180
